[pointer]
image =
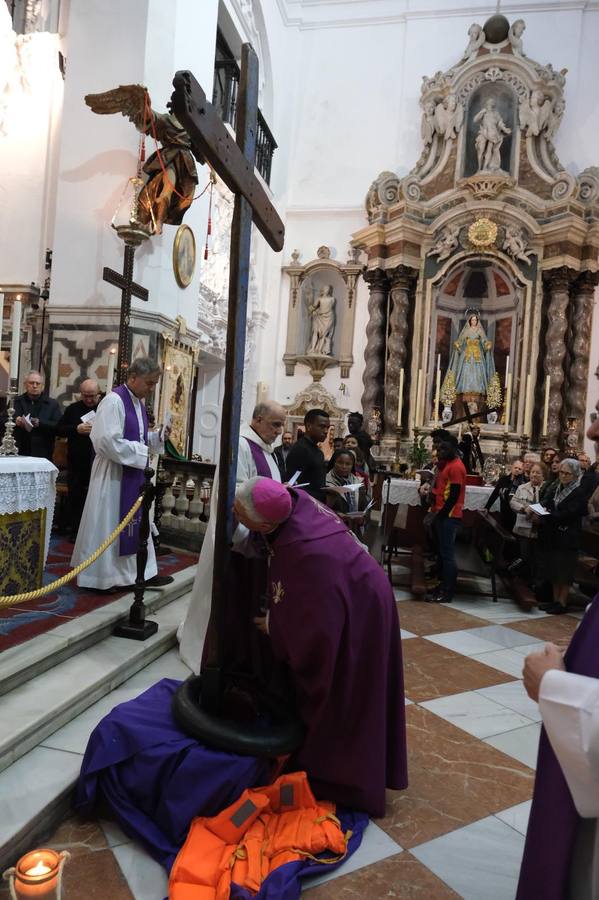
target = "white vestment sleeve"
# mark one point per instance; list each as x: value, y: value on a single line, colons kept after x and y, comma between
x: 107, y: 435
x: 569, y: 705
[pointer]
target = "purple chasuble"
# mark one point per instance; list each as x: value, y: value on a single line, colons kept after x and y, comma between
x: 553, y: 819
x: 131, y: 479
x: 259, y: 457
x: 333, y: 620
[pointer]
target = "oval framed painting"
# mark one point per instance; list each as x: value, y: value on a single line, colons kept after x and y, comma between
x: 184, y: 256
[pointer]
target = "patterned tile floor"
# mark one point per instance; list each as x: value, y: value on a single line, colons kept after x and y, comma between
x: 458, y: 830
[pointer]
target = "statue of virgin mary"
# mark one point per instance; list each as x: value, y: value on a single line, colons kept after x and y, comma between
x: 471, y: 365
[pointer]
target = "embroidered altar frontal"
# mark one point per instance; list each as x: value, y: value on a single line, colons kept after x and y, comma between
x: 22, y: 541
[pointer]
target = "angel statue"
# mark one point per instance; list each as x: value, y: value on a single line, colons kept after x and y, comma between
x: 171, y: 174
x: 446, y: 243
x: 471, y: 365
x: 449, y: 117
x: 515, y: 244
x: 476, y: 38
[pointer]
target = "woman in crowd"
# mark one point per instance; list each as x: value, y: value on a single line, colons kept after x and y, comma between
x: 341, y: 474
x: 525, y: 528
x: 351, y: 443
x: 559, y: 533
x: 552, y: 480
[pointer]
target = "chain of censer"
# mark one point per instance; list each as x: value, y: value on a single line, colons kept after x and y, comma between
x: 10, y: 600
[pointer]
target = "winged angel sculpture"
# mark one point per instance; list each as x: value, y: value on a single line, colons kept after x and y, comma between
x: 171, y: 174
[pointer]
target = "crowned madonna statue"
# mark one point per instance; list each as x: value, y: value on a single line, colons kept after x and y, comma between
x: 471, y: 365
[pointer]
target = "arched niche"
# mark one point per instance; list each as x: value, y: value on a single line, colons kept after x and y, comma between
x: 486, y: 285
x: 505, y: 103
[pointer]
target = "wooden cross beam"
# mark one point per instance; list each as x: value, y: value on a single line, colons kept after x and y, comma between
x: 129, y: 288
x: 234, y: 162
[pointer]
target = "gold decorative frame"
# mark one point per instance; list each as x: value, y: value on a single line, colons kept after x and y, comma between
x: 184, y: 256
x: 175, y: 392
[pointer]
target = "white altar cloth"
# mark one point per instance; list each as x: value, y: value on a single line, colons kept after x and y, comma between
x: 28, y: 483
x: 405, y: 491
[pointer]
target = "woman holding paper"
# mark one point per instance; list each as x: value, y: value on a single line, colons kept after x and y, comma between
x: 344, y: 490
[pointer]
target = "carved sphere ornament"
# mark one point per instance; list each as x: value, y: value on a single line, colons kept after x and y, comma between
x: 496, y: 29
x: 482, y: 233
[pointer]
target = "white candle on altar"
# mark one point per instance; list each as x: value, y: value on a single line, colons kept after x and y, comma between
x: 438, y: 389
x: 528, y: 405
x: 110, y: 370
x: 546, y: 407
x: 17, y: 311
x: 508, y: 400
x: 400, y: 397
x: 418, y: 393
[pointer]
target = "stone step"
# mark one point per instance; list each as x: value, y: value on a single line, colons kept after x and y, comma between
x: 45, y: 724
x: 47, y: 701
x: 26, y: 661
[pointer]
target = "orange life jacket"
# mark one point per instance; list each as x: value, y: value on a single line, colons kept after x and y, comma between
x: 265, y: 828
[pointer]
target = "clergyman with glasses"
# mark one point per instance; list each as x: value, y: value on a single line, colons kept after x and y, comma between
x: 76, y: 425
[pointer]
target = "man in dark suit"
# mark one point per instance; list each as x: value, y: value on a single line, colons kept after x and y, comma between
x: 36, y: 417
x: 282, y: 451
x: 75, y: 426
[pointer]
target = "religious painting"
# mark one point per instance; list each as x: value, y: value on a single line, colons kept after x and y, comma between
x: 175, y: 393
x: 184, y: 256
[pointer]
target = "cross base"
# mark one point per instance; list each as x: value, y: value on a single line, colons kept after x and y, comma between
x: 140, y: 632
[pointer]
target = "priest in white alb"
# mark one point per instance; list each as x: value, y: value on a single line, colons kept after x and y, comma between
x: 256, y: 457
x: 122, y: 442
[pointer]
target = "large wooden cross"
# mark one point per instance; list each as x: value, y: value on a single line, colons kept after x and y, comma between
x: 234, y: 161
x: 129, y: 288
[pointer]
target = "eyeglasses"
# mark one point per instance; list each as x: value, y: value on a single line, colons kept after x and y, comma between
x: 90, y: 395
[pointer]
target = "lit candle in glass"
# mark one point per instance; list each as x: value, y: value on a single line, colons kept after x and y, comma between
x: 528, y: 405
x: 418, y: 394
x: 546, y: 407
x: 110, y: 371
x: 400, y: 398
x: 17, y: 312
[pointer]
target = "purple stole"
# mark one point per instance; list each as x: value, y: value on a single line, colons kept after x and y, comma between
x: 131, y: 479
x: 553, y: 820
x: 259, y: 457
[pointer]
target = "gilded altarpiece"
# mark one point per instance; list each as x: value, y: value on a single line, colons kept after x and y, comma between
x: 482, y: 261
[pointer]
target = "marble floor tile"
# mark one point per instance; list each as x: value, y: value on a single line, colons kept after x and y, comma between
x: 432, y: 671
x: 501, y: 636
x: 113, y: 833
x: 403, y: 595
x: 78, y: 835
x: 74, y: 736
x: 480, y: 861
x: 525, y: 649
x: 146, y: 879
x: 516, y: 816
x: 433, y: 618
x: 508, y: 661
x: 513, y: 696
x: 167, y: 666
x: 521, y: 744
x: 95, y: 876
x: 454, y: 779
x: 551, y: 628
x: 503, y: 612
x: 376, y: 845
x: 476, y: 714
x: 405, y: 635
x: 400, y: 876
x: 467, y: 642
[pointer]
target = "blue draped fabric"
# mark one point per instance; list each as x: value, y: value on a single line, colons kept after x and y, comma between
x: 154, y: 779
x: 471, y: 362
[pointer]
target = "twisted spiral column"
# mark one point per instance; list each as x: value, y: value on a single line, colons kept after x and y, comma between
x: 582, y: 301
x: 397, y: 349
x: 374, y: 353
x: 558, y: 282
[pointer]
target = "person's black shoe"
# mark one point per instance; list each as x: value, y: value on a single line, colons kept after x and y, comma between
x: 438, y: 597
x: 556, y: 609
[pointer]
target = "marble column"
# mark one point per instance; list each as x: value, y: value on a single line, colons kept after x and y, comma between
x: 397, y: 349
x: 558, y: 285
x: 582, y: 314
x: 374, y: 354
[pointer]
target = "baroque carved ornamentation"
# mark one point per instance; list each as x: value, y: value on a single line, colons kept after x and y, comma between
x: 397, y: 348
x: 447, y: 242
x: 582, y: 313
x: 382, y: 194
x: 558, y: 283
x: 374, y: 353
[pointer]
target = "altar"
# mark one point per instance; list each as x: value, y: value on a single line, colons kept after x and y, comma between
x: 402, y: 507
x: 27, y: 496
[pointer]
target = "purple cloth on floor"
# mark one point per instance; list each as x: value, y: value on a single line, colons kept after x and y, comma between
x: 553, y: 819
x: 155, y: 778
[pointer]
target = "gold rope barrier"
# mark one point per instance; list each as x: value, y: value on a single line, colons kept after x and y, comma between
x: 10, y: 600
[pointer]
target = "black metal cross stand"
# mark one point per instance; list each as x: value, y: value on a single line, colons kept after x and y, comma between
x: 234, y: 162
x: 129, y: 288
